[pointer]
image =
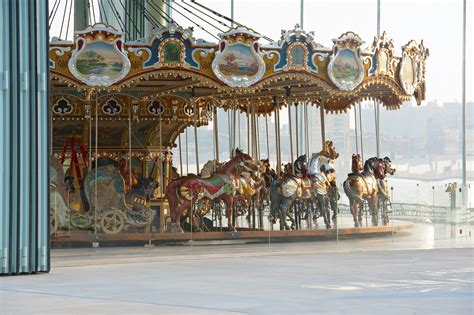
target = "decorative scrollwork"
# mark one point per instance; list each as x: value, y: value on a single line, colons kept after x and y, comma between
x: 207, y: 111
x: 188, y: 110
x: 156, y: 108
x: 62, y: 107
x: 112, y: 107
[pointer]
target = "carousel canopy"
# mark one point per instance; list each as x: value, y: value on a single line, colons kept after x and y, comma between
x: 238, y: 71
x: 147, y: 86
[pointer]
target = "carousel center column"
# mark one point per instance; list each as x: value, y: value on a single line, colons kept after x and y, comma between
x: 160, y: 168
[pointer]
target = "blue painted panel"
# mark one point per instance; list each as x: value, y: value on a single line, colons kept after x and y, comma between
x: 284, y: 54
x: 155, y: 58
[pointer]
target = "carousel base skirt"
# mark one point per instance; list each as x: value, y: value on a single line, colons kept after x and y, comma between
x: 86, y: 238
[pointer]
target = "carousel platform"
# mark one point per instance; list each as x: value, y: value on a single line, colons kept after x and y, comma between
x: 345, y: 230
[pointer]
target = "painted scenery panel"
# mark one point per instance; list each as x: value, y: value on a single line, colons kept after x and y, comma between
x: 238, y: 60
x: 345, y: 66
x: 383, y: 62
x: 99, y: 58
x: 408, y: 73
x: 109, y: 136
x: 64, y: 130
x: 140, y: 132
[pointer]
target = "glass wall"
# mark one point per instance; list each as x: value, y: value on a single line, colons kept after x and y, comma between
x: 423, y: 141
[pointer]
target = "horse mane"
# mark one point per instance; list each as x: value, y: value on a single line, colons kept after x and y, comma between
x: 298, y: 164
x: 209, y: 168
x: 369, y: 165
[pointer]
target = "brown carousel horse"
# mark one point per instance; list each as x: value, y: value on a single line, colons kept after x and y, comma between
x: 364, y: 186
x: 357, y: 166
x: 128, y: 175
x: 183, y: 192
x: 269, y: 175
x: 384, y: 196
x: 248, y: 191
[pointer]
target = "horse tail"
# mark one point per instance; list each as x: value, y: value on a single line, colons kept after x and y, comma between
x: 350, y: 192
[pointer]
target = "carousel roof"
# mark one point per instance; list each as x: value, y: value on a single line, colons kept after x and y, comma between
x: 238, y: 71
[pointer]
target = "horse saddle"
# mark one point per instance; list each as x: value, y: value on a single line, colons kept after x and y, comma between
x: 290, y: 186
x: 212, y: 185
x: 306, y: 182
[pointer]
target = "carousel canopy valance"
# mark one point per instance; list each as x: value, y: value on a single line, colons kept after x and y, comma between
x: 238, y: 71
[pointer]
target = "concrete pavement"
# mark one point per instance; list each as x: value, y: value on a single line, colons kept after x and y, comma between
x: 364, y: 276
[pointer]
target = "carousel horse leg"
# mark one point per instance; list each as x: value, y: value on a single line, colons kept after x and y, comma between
x: 384, y: 207
x: 250, y: 210
x: 288, y: 206
x: 360, y: 212
x: 314, y: 211
x: 374, y: 210
x: 195, y: 223
x: 178, y: 214
x: 333, y: 202
x: 355, y: 207
x: 327, y: 212
x: 229, y: 204
x: 284, y: 208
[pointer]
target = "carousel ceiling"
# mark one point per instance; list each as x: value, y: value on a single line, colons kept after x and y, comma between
x: 185, y: 77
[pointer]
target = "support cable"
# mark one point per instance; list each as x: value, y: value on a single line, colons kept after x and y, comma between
x: 103, y: 11
x: 195, y: 23
x: 69, y: 20
x: 208, y: 15
x: 148, y: 16
x: 54, y: 9
x: 131, y: 20
x: 158, y: 10
x: 90, y: 3
x: 64, y: 16
x: 116, y: 14
x: 199, y: 17
x: 228, y: 19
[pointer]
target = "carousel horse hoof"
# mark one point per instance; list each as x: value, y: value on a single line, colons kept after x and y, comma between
x: 356, y: 225
x: 328, y: 227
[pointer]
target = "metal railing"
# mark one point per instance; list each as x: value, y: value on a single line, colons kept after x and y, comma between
x: 421, y: 212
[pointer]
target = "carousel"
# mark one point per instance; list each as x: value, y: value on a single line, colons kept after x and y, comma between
x: 119, y: 107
